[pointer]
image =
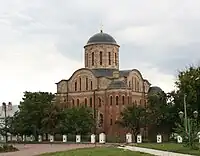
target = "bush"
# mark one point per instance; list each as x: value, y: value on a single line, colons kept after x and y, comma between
x: 7, y: 148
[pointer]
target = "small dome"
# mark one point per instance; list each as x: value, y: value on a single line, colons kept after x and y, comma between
x: 101, y: 38
x: 155, y: 90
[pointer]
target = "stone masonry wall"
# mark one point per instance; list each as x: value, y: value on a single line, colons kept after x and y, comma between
x: 105, y: 49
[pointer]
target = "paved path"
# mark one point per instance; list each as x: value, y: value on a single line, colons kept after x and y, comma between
x: 36, y: 149
x: 152, y: 151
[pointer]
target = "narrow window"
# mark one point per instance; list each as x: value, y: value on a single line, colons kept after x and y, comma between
x: 99, y: 102
x: 92, y: 58
x: 129, y: 83
x: 91, y: 102
x: 110, y: 121
x: 109, y: 58
x: 115, y: 58
x: 128, y: 99
x: 135, y: 85
x: 101, y: 57
x: 111, y: 100
x: 135, y: 102
x: 138, y: 86
x: 75, y: 86
x: 86, y: 83
x: 64, y: 99
x: 91, y: 85
x: 77, y: 102
x: 85, y: 102
x: 117, y: 100
x: 132, y: 84
x: 140, y: 101
x: 73, y: 102
x: 101, y: 120
x: 123, y: 100
x: 80, y: 84
x: 86, y: 60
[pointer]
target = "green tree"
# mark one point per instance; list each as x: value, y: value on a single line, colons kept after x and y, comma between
x: 18, y: 125
x: 53, y: 115
x: 77, y: 121
x: 32, y: 110
x: 133, y: 118
x: 188, y: 83
x: 160, y: 112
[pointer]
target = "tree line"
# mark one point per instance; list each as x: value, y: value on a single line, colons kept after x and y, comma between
x: 38, y: 115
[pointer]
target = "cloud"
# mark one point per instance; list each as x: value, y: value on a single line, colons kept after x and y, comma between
x: 42, y: 41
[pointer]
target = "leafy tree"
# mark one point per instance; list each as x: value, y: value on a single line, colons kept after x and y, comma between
x: 160, y: 112
x: 53, y: 115
x: 32, y: 110
x: 188, y: 82
x: 133, y: 118
x: 77, y: 121
x: 18, y: 125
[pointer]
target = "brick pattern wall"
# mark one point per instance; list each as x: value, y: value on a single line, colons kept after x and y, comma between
x: 105, y: 49
x: 83, y: 97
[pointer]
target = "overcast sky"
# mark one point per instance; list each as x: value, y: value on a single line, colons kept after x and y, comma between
x: 41, y: 41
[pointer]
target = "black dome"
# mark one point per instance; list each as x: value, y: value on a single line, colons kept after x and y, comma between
x: 101, y: 38
x: 155, y: 90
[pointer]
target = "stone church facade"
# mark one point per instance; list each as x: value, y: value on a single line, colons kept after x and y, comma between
x: 101, y: 86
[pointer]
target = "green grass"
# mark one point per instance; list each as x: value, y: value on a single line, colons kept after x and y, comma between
x: 172, y: 147
x: 97, y: 152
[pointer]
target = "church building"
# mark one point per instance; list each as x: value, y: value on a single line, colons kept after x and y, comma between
x: 102, y: 86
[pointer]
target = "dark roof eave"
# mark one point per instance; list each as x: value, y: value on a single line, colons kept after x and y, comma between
x: 88, y: 44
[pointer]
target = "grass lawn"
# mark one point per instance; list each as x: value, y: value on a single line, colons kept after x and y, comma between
x: 97, y: 152
x: 172, y: 147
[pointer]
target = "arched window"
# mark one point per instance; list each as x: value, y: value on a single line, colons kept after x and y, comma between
x: 99, y: 101
x: 132, y: 84
x: 64, y: 99
x: 91, y: 102
x: 135, y: 85
x: 109, y: 58
x: 123, y: 100
x: 75, y: 86
x: 100, y: 120
x: 115, y: 58
x: 111, y: 100
x: 77, y: 102
x: 86, y: 83
x: 117, y: 100
x: 86, y: 60
x: 91, y: 85
x: 110, y: 121
x: 80, y: 84
x: 128, y: 99
x: 129, y: 83
x: 85, y: 102
x: 73, y: 102
x: 92, y: 58
x: 135, y: 102
x: 101, y: 57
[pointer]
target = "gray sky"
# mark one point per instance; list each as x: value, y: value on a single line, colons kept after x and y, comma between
x: 42, y: 40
